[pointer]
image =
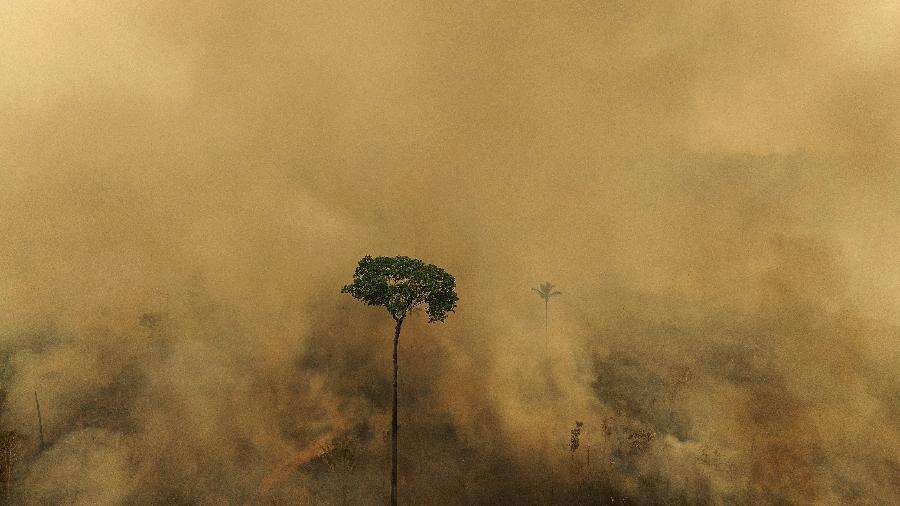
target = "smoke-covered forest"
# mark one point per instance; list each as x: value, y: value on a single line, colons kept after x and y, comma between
x: 711, y: 188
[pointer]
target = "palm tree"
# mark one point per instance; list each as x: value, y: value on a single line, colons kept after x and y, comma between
x: 545, y: 291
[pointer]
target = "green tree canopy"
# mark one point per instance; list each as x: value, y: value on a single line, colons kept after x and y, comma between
x: 402, y: 283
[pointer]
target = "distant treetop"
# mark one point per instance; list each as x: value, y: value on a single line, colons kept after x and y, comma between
x: 546, y: 291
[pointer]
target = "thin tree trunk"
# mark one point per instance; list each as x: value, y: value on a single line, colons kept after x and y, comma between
x: 7, y: 473
x: 394, y: 426
x: 547, y: 324
x: 40, y: 422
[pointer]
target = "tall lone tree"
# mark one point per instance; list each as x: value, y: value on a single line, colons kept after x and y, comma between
x: 400, y: 284
x: 545, y: 291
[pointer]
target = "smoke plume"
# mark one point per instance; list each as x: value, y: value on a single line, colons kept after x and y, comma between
x: 184, y: 188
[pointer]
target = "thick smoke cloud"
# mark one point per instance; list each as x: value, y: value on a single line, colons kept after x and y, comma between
x: 184, y: 188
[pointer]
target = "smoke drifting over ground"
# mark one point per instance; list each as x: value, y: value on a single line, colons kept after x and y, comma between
x: 184, y: 188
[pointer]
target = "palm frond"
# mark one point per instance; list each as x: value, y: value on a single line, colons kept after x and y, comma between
x: 545, y: 290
